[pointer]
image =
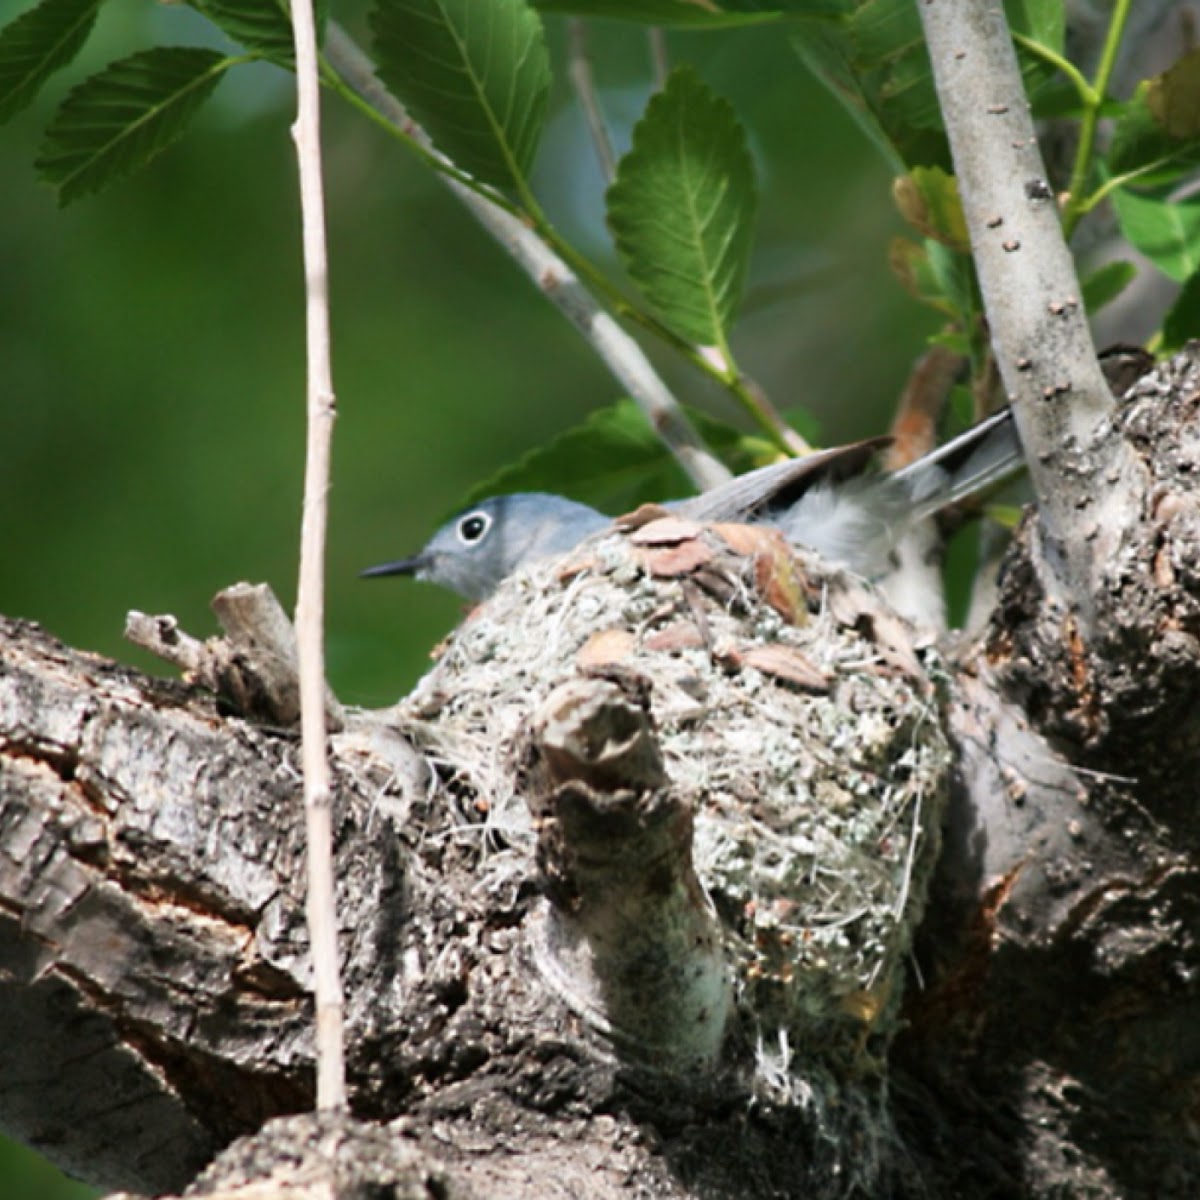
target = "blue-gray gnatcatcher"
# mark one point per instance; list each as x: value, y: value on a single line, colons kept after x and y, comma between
x: 826, y: 502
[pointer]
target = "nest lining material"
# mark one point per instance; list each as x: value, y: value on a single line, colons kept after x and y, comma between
x: 793, y: 713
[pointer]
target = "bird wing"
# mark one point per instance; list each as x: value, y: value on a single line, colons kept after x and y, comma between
x: 779, y: 485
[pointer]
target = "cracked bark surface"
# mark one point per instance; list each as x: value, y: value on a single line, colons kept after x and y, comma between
x: 153, y: 1002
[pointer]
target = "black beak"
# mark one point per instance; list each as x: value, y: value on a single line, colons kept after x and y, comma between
x: 402, y: 566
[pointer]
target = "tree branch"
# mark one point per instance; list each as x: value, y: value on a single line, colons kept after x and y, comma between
x: 553, y: 277
x: 310, y: 604
x: 1031, y: 295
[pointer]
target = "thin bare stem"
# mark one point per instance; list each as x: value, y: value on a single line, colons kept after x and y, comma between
x: 561, y: 285
x: 659, y: 58
x: 310, y: 605
x: 584, y: 82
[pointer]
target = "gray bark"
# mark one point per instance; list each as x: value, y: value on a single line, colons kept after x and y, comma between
x: 154, y: 1002
x: 1036, y: 320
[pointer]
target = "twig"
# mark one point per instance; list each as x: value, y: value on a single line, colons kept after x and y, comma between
x: 619, y: 352
x: 321, y: 404
x: 253, y: 668
x: 659, y: 58
x: 584, y: 84
x: 1031, y: 294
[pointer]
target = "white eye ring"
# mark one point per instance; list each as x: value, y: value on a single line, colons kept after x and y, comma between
x: 473, y: 527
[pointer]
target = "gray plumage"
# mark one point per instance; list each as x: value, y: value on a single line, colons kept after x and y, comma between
x: 824, y: 502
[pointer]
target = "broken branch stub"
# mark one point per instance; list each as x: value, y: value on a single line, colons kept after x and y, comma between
x: 628, y: 939
x: 252, y: 669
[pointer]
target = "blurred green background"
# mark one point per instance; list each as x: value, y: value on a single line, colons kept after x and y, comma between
x: 152, y: 360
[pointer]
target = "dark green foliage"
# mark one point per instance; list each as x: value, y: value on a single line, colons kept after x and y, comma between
x: 37, y: 44
x: 117, y: 121
x: 682, y: 209
x: 476, y: 76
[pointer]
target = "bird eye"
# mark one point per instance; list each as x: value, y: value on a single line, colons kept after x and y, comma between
x: 473, y: 526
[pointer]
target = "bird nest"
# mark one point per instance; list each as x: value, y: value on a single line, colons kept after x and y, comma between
x: 795, y: 713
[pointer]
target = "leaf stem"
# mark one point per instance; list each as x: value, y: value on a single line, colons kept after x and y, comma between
x: 1087, y: 94
x: 1082, y: 167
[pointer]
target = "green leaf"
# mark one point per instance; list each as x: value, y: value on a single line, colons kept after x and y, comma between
x: 1008, y: 515
x: 1106, y: 283
x: 1042, y: 21
x: 955, y: 275
x: 613, y: 461
x: 117, y: 121
x: 682, y: 207
x: 1182, y: 322
x: 264, y: 26
x: 1174, y: 97
x: 36, y: 45
x: 1166, y: 233
x: 475, y: 75
x: 909, y: 262
x: 928, y: 200
x: 1157, y: 136
x: 876, y: 62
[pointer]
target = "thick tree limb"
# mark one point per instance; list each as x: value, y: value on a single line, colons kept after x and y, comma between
x: 154, y: 1002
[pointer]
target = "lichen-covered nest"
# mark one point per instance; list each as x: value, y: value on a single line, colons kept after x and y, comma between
x: 794, y: 712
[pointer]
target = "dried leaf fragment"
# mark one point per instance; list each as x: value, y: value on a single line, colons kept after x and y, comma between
x: 782, y: 663
x: 669, y: 562
x: 777, y: 574
x: 679, y: 635
x: 665, y: 531
x: 788, y: 665
x: 642, y: 515
x: 606, y: 647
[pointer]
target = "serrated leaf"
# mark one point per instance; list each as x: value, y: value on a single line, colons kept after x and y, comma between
x: 475, y: 75
x: 264, y: 26
x: 1106, y: 283
x: 682, y: 208
x: 37, y: 44
x: 118, y: 120
x: 1182, y: 322
x: 1166, y: 232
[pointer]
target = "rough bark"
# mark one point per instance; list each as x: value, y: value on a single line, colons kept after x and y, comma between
x: 154, y: 1002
